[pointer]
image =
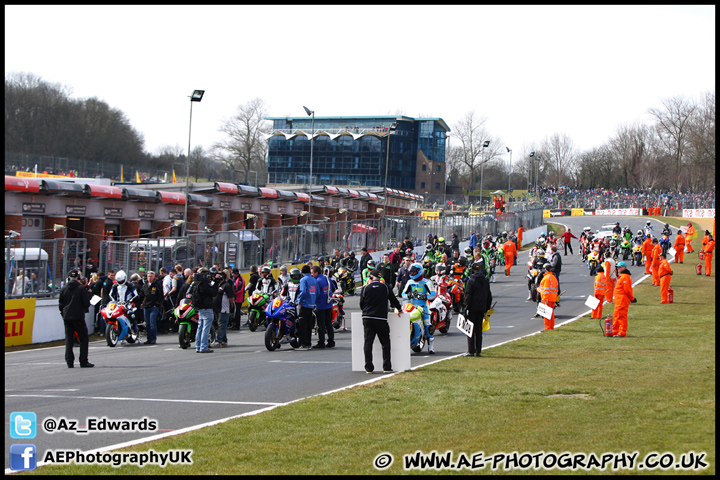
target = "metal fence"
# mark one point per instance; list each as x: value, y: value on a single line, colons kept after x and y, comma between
x: 38, y: 268
x: 46, y: 263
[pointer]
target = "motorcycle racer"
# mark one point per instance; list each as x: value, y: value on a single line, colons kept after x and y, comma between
x: 419, y: 291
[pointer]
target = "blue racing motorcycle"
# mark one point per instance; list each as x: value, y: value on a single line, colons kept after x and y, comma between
x: 281, y: 324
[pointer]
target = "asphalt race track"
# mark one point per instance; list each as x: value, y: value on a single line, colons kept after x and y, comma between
x: 180, y: 389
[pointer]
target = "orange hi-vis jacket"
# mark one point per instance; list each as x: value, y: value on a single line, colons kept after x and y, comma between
x: 664, y: 268
x: 600, y: 284
x: 519, y: 235
x: 690, y: 233
x: 647, y: 247
x: 705, y: 241
x: 548, y: 288
x: 509, y: 249
x: 623, y: 291
x: 610, y: 270
x: 657, y: 250
x: 679, y: 242
x: 709, y: 247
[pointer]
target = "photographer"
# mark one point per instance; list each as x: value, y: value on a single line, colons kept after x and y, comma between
x: 206, y: 292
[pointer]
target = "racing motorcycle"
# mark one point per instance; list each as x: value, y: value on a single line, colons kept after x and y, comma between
x: 256, y: 309
x: 593, y: 261
x: 637, y: 255
x: 281, y: 324
x: 346, y: 279
x: 119, y: 327
x: 338, y: 312
x: 417, y: 332
x: 533, y: 277
x: 187, y: 319
x: 441, y: 313
x: 626, y: 248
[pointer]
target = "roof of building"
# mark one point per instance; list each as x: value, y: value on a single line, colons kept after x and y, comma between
x: 367, y: 117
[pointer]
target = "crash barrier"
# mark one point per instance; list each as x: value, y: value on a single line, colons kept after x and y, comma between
x: 399, y: 344
x: 36, y: 320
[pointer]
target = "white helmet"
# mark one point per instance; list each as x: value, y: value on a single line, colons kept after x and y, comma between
x: 120, y: 277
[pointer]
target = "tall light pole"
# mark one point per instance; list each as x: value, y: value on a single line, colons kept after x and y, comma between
x: 393, y: 127
x: 196, y: 96
x: 312, y: 139
x: 482, y: 168
x: 510, y: 170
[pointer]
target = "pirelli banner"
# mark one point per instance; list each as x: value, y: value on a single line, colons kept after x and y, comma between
x: 19, y: 318
x: 561, y: 212
x: 430, y: 214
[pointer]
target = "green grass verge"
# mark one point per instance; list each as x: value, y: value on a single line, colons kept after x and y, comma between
x: 570, y: 390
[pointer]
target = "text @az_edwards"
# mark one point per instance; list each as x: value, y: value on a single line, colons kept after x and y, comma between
x: 94, y: 424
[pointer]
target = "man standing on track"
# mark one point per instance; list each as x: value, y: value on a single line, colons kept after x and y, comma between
x: 548, y: 290
x: 566, y: 238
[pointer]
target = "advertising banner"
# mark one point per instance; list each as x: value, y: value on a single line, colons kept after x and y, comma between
x: 618, y: 211
x: 577, y: 212
x: 699, y: 213
x: 19, y: 318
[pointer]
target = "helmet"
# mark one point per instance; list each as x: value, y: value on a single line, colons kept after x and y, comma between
x: 613, y: 243
x: 551, y: 234
x: 352, y: 253
x: 639, y: 232
x: 371, y: 264
x: 543, y: 235
x: 504, y: 233
x: 213, y: 270
x: 486, y: 244
x: 468, y: 251
x: 647, y: 223
x: 463, y: 261
x: 416, y: 271
x: 265, y: 271
x: 586, y: 229
x: 627, y: 227
x: 120, y: 277
x: 328, y: 270
x: 322, y: 259
x: 441, y: 240
x: 621, y: 264
x: 439, y: 268
x: 428, y: 247
x: 295, y: 275
x: 540, y: 253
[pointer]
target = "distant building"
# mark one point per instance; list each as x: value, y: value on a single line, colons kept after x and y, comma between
x: 353, y: 151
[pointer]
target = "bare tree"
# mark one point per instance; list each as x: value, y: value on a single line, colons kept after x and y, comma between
x: 559, y: 151
x: 702, y: 143
x: 245, y: 147
x: 470, y: 132
x: 672, y: 124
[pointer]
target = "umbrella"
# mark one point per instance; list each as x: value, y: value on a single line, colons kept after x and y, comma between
x: 498, y: 192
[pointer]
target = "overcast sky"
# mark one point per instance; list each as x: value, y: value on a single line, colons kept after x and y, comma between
x: 532, y: 71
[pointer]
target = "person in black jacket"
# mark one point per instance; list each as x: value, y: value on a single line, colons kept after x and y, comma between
x: 152, y: 293
x: 478, y: 300
x: 363, y: 259
x: 207, y: 290
x: 74, y: 302
x: 374, y: 305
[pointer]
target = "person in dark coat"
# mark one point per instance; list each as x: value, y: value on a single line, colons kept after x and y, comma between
x: 478, y: 300
x: 74, y: 302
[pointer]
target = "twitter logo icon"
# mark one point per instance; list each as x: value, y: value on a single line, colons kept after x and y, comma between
x: 23, y: 425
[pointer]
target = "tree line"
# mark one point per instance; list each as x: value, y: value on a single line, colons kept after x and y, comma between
x: 676, y: 150
x: 42, y: 119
